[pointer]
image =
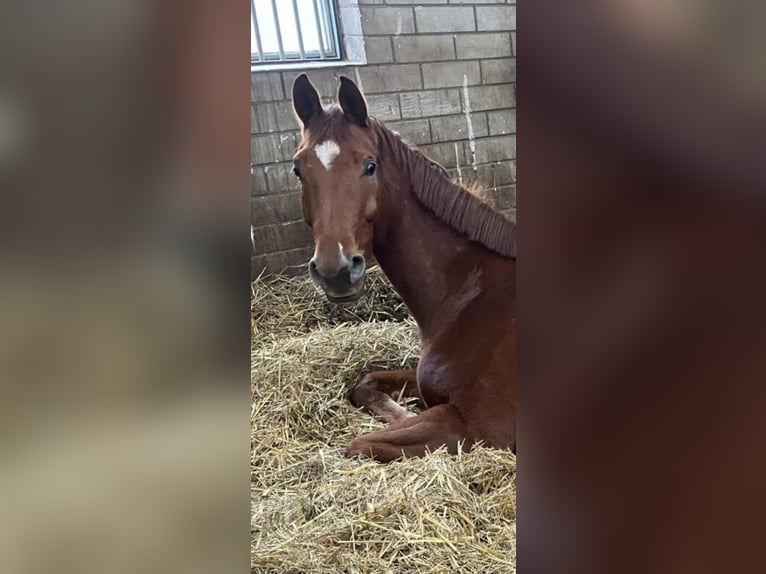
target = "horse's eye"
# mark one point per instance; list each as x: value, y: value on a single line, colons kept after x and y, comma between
x: 369, y: 168
x: 296, y: 171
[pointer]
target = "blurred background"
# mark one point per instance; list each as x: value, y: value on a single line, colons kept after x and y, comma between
x: 125, y: 262
x: 124, y: 271
x: 642, y: 138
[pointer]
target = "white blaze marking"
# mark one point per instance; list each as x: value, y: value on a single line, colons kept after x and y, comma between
x: 326, y: 152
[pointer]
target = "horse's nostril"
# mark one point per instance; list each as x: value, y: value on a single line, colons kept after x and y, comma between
x: 357, y: 268
x: 314, y: 270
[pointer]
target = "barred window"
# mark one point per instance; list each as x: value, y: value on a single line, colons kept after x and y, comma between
x: 293, y: 31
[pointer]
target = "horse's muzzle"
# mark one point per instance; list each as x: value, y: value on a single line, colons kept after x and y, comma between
x: 341, y: 283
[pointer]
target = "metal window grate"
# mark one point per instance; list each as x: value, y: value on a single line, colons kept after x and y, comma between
x: 293, y: 31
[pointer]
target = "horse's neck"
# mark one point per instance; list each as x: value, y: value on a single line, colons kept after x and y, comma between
x: 420, y: 256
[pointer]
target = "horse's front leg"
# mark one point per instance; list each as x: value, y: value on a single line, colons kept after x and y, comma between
x: 376, y: 389
x: 441, y: 425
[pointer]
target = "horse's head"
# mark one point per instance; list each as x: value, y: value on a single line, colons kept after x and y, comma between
x: 337, y: 164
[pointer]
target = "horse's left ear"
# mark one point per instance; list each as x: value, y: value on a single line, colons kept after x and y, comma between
x: 352, y: 102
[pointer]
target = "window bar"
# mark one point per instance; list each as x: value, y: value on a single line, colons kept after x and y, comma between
x: 331, y: 29
x: 278, y: 30
x: 322, y: 54
x: 326, y: 20
x: 298, y: 28
x: 257, y: 31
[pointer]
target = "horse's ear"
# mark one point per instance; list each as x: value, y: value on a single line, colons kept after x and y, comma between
x: 306, y: 101
x: 352, y: 102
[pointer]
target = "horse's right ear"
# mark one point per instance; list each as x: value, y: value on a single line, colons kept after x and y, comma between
x: 306, y: 101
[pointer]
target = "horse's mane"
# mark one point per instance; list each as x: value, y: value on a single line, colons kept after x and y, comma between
x: 461, y: 209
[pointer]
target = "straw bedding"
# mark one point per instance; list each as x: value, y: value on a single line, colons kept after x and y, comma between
x: 314, y: 510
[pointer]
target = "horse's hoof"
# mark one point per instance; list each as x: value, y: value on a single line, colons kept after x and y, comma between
x: 360, y: 392
x: 355, y: 449
x: 352, y: 396
x: 351, y: 452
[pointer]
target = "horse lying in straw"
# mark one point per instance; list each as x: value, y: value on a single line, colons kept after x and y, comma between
x: 452, y: 258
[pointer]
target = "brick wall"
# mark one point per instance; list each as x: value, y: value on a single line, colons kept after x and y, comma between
x: 432, y: 66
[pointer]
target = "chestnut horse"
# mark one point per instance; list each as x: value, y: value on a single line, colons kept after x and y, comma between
x: 452, y: 258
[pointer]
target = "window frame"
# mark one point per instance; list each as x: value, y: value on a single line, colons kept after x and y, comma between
x: 349, y: 41
x: 324, y: 12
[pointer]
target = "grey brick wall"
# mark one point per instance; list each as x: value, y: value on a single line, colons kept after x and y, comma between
x: 431, y: 65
